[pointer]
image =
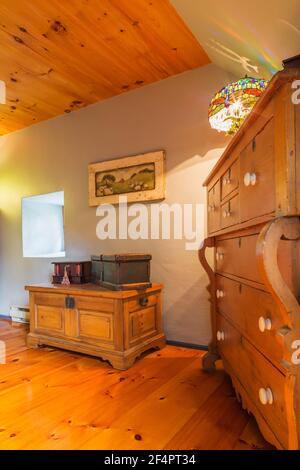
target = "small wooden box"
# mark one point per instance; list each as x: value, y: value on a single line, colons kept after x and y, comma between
x: 122, y: 271
x: 79, y: 272
x: 116, y: 326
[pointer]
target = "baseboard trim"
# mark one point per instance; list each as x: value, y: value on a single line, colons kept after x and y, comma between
x: 4, y: 316
x: 187, y: 345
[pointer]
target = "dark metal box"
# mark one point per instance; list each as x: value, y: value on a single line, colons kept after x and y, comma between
x: 122, y: 271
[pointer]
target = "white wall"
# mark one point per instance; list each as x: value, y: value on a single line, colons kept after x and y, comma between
x: 54, y: 155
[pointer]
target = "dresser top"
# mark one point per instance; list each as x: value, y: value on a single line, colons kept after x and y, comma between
x: 91, y: 290
x: 287, y: 75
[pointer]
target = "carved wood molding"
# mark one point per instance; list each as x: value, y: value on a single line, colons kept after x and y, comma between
x: 207, y: 243
x: 283, y: 228
x: 208, y: 361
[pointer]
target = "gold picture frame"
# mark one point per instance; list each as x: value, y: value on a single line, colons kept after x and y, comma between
x: 139, y: 177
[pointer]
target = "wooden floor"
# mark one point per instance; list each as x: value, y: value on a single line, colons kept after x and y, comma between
x: 52, y: 399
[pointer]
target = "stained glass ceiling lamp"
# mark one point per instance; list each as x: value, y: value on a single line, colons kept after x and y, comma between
x: 230, y: 106
x: 2, y: 92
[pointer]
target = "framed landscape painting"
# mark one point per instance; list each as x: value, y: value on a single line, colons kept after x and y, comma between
x: 140, y: 178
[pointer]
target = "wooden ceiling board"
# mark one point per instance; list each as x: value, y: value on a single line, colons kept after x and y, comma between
x: 58, y: 56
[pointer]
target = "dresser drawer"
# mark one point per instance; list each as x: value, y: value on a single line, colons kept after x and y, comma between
x: 213, y: 208
x: 257, y: 175
x: 255, y: 313
x: 262, y: 322
x: 229, y: 341
x: 230, y: 212
x: 228, y: 299
x: 270, y: 390
x: 237, y: 256
x: 230, y: 180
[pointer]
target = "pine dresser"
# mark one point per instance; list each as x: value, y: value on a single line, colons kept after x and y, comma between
x: 253, y: 208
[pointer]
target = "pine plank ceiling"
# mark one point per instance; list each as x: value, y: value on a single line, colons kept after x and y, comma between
x: 58, y: 56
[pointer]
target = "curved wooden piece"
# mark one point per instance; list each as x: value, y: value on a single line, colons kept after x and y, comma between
x: 284, y: 228
x: 209, y: 359
x: 287, y: 228
x: 248, y: 405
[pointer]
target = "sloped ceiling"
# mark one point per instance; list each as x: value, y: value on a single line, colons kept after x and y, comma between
x: 252, y: 36
x: 57, y: 56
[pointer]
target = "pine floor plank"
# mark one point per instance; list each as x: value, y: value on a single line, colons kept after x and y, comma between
x: 53, y: 399
x: 175, y: 401
x: 98, y: 406
x: 251, y: 439
x: 214, y: 425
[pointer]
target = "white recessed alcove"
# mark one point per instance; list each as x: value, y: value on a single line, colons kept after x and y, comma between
x: 43, y: 226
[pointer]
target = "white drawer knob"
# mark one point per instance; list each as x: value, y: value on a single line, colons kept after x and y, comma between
x: 266, y: 396
x: 220, y: 335
x: 226, y: 213
x: 219, y: 256
x: 219, y: 294
x: 264, y: 324
x: 250, y: 179
x: 211, y: 208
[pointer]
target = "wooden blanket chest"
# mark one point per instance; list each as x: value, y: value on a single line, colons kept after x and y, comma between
x: 116, y: 326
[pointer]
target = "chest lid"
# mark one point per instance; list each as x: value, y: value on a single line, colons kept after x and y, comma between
x: 125, y: 257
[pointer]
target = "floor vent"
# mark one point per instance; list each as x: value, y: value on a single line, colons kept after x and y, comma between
x: 19, y: 314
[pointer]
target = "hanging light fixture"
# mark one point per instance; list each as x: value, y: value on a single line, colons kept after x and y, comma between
x: 230, y: 106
